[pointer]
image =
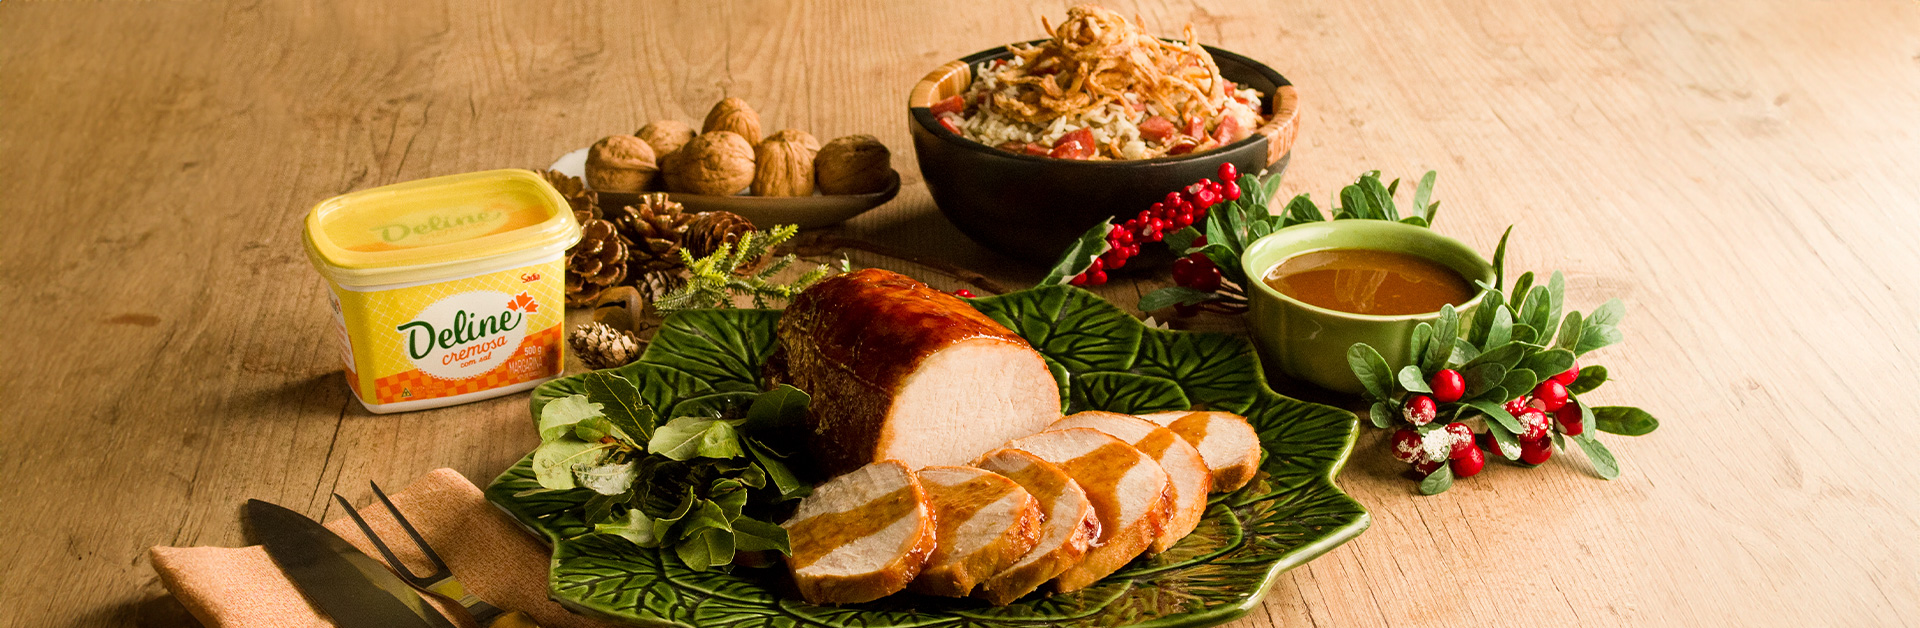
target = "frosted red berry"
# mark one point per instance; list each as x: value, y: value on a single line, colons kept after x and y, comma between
x: 1462, y: 439
x: 1534, y: 422
x: 1448, y: 386
x: 1536, y: 452
x: 1570, y: 419
x: 1468, y: 464
x: 1566, y: 378
x: 1516, y: 406
x: 1228, y: 172
x: 1406, y: 446
x: 1551, y: 395
x: 1420, y: 410
x: 1427, y: 467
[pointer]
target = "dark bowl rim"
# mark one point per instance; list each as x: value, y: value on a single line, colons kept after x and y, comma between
x: 923, y: 117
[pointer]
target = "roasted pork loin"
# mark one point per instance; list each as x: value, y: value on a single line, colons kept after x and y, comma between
x: 985, y: 522
x: 1129, y: 491
x: 1225, y: 440
x: 861, y: 536
x: 1070, y: 524
x: 900, y: 371
x: 1186, y: 470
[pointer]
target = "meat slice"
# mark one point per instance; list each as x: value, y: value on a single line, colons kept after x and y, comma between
x: 861, y: 536
x: 1225, y: 440
x: 985, y: 522
x: 900, y: 371
x: 1070, y: 524
x: 1186, y: 472
x: 1129, y: 491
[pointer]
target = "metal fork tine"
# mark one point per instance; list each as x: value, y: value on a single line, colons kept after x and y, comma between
x: 440, y: 569
x: 378, y: 544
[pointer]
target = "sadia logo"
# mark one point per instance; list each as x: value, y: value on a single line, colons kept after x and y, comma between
x: 466, y: 334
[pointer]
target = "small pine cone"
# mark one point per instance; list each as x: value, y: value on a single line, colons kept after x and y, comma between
x: 579, y: 198
x: 598, y: 261
x: 600, y: 346
x: 657, y: 228
x: 655, y: 284
x: 709, y: 230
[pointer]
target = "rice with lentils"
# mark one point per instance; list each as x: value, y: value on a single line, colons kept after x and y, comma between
x: 1102, y: 89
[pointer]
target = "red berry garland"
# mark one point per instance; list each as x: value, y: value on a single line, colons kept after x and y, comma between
x: 1180, y: 209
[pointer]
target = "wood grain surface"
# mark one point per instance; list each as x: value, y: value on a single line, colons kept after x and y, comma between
x: 1745, y: 175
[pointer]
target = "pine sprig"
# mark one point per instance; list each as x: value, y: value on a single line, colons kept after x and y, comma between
x: 713, y: 281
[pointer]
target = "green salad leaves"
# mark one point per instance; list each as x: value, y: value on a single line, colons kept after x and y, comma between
x: 706, y: 483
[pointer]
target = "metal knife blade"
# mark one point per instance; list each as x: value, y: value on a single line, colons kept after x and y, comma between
x: 351, y: 587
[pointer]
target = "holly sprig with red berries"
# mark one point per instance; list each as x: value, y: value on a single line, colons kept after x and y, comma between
x: 1107, y: 246
x: 1515, y: 363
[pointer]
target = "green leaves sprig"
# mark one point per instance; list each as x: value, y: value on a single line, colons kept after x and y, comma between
x: 704, y: 483
x: 1510, y: 346
x: 1232, y: 226
x: 713, y: 281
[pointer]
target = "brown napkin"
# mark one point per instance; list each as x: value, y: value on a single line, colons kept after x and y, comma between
x: 497, y: 560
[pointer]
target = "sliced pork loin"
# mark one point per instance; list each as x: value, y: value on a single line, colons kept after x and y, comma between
x: 1186, y: 472
x: 985, y: 522
x: 1070, y: 524
x: 1225, y: 440
x: 900, y: 371
x: 861, y: 536
x: 1129, y: 491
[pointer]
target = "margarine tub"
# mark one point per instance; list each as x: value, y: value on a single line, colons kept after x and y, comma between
x: 446, y: 290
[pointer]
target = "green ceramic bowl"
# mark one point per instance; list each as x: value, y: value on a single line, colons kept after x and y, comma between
x: 1309, y: 343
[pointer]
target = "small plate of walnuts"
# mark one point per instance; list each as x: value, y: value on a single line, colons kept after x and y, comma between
x: 787, y: 177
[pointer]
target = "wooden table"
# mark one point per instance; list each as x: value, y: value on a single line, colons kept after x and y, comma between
x: 1742, y: 174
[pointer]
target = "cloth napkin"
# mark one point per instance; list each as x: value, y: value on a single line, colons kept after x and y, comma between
x: 490, y: 553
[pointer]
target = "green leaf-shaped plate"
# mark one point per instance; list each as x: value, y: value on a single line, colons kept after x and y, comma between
x: 1106, y: 360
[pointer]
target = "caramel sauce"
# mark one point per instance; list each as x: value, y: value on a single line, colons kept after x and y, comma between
x: 954, y: 505
x: 1366, y: 281
x: 1103, y: 467
x: 816, y: 537
x: 1039, y: 481
x: 1192, y: 427
x: 1156, y: 442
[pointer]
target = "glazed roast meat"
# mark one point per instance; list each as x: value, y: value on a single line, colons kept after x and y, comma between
x: 900, y: 371
x: 1129, y: 491
x: 1070, y: 524
x: 984, y: 523
x: 861, y: 536
x: 1186, y: 470
x: 1225, y: 440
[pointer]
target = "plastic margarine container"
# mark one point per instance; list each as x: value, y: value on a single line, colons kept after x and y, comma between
x: 446, y: 290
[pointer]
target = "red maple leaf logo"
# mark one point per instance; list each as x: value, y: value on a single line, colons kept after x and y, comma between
x: 524, y: 303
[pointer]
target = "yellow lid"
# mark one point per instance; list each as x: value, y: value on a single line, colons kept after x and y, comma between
x: 439, y: 228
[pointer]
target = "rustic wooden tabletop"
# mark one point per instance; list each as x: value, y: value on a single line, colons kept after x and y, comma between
x: 1742, y: 174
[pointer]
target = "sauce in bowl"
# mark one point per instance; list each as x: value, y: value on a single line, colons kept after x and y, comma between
x: 1367, y: 281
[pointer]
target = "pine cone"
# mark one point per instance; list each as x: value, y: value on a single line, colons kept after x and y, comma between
x: 600, y: 346
x: 708, y: 230
x: 598, y: 261
x: 655, y: 284
x: 578, y: 196
x: 655, y: 227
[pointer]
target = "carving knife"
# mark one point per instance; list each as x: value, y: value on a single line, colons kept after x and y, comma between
x: 352, y: 588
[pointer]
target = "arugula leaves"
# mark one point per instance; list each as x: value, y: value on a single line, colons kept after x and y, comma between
x: 702, y: 484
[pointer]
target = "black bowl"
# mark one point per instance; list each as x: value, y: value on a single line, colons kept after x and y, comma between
x: 1030, y: 207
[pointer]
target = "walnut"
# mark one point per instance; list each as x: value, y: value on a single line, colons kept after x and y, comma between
x: 784, y: 164
x: 620, y: 163
x: 855, y: 164
x: 715, y: 164
x: 665, y: 136
x: 734, y: 115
